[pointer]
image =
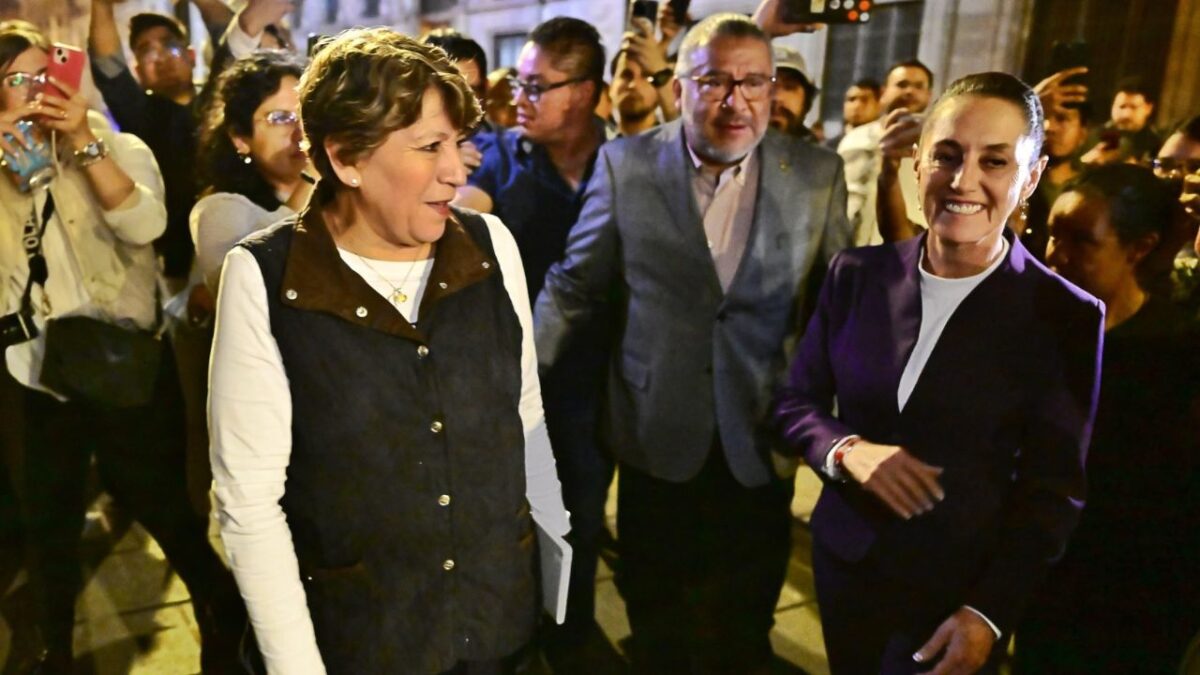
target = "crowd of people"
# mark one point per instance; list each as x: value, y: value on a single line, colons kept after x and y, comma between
x: 402, y: 319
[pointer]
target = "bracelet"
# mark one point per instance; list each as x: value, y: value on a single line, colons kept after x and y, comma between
x: 91, y: 153
x: 839, y: 455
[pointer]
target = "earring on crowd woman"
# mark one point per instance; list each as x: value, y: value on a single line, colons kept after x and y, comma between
x: 245, y: 157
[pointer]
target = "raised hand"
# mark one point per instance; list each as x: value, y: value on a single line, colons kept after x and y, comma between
x: 1054, y: 91
x: 67, y: 116
x: 259, y: 14
x: 644, y: 49
x: 901, y: 131
x: 769, y: 17
x: 8, y: 125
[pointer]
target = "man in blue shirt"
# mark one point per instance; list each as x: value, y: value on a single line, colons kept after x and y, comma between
x: 534, y: 178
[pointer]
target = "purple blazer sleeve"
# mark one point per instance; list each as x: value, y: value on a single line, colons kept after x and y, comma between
x: 804, y: 405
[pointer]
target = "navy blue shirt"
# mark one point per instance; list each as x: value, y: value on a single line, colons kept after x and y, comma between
x: 539, y: 207
x: 531, y: 197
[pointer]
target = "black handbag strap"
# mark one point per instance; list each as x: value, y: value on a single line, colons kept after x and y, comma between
x: 31, y: 240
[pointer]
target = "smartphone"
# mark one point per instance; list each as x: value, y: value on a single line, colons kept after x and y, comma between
x: 1067, y: 55
x: 680, y: 7
x: 1110, y: 138
x: 66, y: 65
x: 647, y: 9
x: 826, y: 11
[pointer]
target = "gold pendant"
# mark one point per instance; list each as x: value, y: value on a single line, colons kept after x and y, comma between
x: 399, y: 297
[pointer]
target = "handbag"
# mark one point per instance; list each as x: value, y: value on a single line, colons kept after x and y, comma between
x: 101, y: 363
x: 91, y: 360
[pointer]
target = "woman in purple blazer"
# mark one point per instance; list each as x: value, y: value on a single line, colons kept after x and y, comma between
x: 945, y: 391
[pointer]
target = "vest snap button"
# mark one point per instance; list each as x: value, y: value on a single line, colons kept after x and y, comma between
x: 422, y: 351
x: 487, y: 265
x: 444, y: 500
x: 436, y: 427
x: 361, y: 312
x: 442, y: 285
x: 448, y: 565
x: 290, y: 294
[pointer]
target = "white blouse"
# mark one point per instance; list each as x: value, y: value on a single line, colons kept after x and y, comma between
x: 250, y: 420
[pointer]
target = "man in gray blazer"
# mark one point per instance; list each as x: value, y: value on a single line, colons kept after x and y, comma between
x: 709, y: 234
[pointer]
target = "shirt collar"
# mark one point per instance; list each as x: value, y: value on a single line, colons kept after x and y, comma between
x: 316, y: 279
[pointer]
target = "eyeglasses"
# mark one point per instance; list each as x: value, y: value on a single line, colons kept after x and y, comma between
x: 719, y: 86
x: 1169, y: 167
x: 18, y: 79
x: 158, y: 52
x: 534, y: 91
x: 279, y: 118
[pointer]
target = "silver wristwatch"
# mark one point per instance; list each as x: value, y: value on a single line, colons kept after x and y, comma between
x: 91, y: 153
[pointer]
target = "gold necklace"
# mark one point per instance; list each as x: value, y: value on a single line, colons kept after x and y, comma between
x: 398, y: 296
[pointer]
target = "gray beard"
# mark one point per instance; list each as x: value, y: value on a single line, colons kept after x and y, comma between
x: 702, y: 147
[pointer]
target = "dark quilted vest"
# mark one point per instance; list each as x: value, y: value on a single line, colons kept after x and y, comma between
x: 406, y: 488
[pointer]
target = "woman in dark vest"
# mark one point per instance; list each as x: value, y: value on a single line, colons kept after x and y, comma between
x: 377, y: 434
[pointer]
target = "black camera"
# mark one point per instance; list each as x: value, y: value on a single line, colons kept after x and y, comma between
x: 16, y: 328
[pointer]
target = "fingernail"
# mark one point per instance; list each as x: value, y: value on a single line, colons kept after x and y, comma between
x: 918, y: 658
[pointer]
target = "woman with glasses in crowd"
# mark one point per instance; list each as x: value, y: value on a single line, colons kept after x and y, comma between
x: 378, y: 444
x: 250, y: 175
x: 79, y: 239
x: 251, y: 161
x: 965, y: 375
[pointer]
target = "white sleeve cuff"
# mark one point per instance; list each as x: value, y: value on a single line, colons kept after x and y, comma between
x: 985, y: 619
x: 830, y: 467
x: 240, y: 43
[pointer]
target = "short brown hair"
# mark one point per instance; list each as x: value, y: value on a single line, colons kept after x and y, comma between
x: 365, y: 83
x: 15, y: 37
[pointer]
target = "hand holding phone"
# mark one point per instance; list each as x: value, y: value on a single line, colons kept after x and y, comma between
x: 66, y: 66
x: 770, y: 18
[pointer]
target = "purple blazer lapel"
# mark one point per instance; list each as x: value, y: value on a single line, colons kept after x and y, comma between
x: 902, y: 284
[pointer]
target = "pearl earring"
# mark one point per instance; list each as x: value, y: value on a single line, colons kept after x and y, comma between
x: 245, y: 156
x: 354, y: 182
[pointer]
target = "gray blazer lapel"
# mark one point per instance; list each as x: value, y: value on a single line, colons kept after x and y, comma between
x: 776, y: 181
x: 673, y: 176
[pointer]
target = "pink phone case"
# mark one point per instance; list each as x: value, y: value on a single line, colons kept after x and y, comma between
x: 66, y: 65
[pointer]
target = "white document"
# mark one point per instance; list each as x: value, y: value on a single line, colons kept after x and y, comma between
x: 555, y: 555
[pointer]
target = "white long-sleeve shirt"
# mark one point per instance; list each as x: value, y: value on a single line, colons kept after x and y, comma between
x: 101, y: 262
x: 250, y: 417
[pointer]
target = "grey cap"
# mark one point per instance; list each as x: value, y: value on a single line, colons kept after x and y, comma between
x: 786, y: 57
